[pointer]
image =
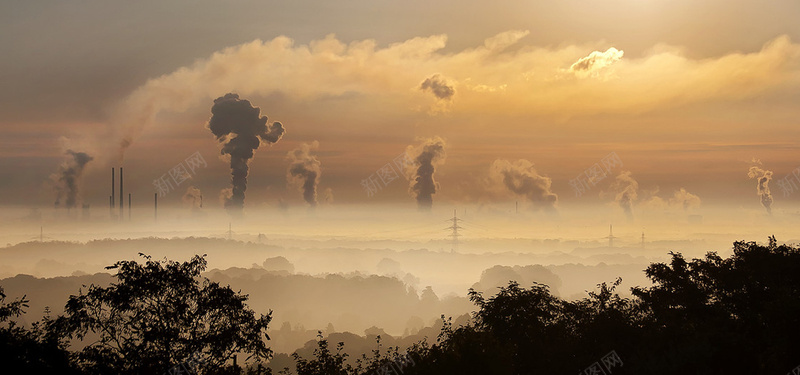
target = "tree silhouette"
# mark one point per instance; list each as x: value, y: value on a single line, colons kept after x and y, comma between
x: 737, y: 315
x: 31, y: 350
x: 161, y: 314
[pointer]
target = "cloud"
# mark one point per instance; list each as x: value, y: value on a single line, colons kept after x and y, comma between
x: 531, y: 78
x: 596, y: 61
x: 522, y: 179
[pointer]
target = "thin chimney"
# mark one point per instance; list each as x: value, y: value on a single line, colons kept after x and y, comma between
x: 129, y: 206
x: 155, y: 207
x: 113, y: 186
x: 121, y: 196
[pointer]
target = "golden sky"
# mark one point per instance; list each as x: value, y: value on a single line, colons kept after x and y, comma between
x: 688, y: 94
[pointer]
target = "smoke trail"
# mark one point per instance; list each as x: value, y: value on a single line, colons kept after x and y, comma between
x: 423, y: 185
x: 764, y: 177
x: 627, y: 192
x: 304, y: 171
x: 240, y: 128
x: 193, y: 197
x: 684, y: 199
x: 66, y: 180
x: 521, y: 178
x: 327, y: 196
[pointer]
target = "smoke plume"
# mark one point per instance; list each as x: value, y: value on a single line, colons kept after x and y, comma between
x: 430, y: 154
x: 684, y: 199
x: 304, y: 171
x: 438, y: 86
x: 67, y: 180
x: 327, y: 196
x: 193, y: 197
x: 627, y: 192
x: 521, y: 178
x: 241, y: 129
x: 764, y: 177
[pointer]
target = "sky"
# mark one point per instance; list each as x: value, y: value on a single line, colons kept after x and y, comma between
x: 510, y: 101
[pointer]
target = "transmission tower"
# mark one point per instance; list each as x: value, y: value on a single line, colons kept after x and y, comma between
x: 454, y: 231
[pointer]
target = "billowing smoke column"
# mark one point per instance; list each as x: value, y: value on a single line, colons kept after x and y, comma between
x: 241, y: 129
x: 764, y: 177
x: 304, y: 171
x: 521, y: 178
x: 66, y: 180
x: 627, y: 192
x: 423, y: 186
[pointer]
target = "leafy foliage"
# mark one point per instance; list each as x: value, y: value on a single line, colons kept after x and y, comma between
x: 158, y: 315
x: 31, y: 350
x: 704, y: 316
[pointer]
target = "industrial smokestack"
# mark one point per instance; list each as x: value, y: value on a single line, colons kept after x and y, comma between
x: 110, y: 206
x: 121, y: 196
x: 129, y: 206
x: 112, y: 187
x: 155, y: 207
x: 241, y: 129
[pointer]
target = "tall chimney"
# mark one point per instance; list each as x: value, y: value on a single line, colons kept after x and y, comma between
x: 155, y: 206
x: 111, y: 206
x: 129, y: 206
x: 121, y: 196
x: 112, y: 187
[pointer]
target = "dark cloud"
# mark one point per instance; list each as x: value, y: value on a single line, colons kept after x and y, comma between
x: 423, y: 185
x: 764, y: 177
x: 521, y: 178
x: 304, y: 171
x: 66, y: 181
x: 241, y: 129
x: 437, y: 85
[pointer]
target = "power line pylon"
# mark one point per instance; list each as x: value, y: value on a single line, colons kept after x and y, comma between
x: 454, y: 231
